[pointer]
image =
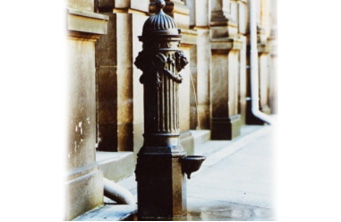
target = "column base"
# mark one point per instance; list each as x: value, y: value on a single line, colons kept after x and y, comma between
x: 161, y: 186
x: 226, y: 128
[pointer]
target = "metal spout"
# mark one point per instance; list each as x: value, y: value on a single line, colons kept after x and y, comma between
x: 191, y: 164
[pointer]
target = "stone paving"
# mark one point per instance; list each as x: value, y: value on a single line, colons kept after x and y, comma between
x: 235, y: 182
x: 238, y: 187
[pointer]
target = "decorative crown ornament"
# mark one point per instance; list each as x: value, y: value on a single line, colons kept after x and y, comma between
x: 160, y: 23
x: 161, y: 55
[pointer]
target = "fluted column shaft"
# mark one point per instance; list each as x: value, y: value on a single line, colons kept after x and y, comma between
x: 161, y: 62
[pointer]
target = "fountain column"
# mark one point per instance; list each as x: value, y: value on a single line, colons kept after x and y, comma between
x: 161, y: 185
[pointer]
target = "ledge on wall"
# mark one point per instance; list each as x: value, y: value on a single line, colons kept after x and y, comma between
x: 115, y: 165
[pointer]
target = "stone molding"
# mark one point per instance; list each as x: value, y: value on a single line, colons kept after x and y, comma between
x: 225, y: 45
x: 87, y: 14
x: 261, y: 35
x: 189, y: 36
x: 263, y: 48
x: 86, y: 24
x: 200, y: 27
x: 223, y: 22
x: 81, y: 171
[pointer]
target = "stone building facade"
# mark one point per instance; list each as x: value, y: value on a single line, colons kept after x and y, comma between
x: 106, y: 96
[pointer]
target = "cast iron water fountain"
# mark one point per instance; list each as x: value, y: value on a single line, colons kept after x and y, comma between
x: 162, y: 161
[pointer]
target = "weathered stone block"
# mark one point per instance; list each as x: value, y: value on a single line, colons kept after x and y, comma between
x: 83, y: 193
x: 84, y: 186
x: 82, y: 105
x: 115, y: 165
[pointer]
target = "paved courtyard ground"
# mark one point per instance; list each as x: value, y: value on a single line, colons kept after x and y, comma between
x: 235, y: 182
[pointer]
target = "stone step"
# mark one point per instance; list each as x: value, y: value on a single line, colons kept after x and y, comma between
x: 192, y: 138
x: 200, y: 136
x: 115, y: 165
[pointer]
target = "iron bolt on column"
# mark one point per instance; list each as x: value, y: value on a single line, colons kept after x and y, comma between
x: 160, y: 179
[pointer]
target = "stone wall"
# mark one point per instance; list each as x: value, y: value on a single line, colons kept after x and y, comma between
x: 224, y: 23
x: 84, y: 183
x: 119, y: 108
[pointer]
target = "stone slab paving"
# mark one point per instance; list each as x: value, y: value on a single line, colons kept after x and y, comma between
x: 237, y: 187
x: 109, y: 212
x: 235, y: 182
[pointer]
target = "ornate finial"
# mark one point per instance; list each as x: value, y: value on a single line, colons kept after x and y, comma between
x: 160, y: 4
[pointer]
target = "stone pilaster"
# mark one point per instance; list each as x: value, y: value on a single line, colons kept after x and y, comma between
x: 200, y: 103
x: 264, y: 57
x: 84, y: 185
x: 242, y: 12
x: 225, y: 47
x: 125, y: 82
x: 106, y: 74
x: 194, y: 121
x: 120, y: 93
x: 263, y: 69
x: 225, y: 119
x: 203, y: 77
x: 242, y: 103
x: 242, y: 15
x: 222, y: 23
x: 273, y: 58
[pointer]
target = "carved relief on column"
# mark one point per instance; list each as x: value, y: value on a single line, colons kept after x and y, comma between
x: 161, y: 78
